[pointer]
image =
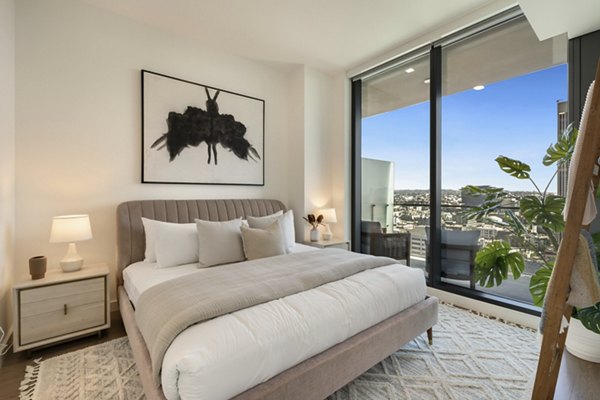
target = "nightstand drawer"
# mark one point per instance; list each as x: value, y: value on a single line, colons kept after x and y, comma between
x: 50, y: 311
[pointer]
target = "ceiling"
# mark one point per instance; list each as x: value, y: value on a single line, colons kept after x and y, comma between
x: 553, y: 17
x: 514, y: 50
x: 331, y: 35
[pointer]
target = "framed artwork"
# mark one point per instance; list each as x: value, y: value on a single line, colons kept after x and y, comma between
x: 199, y: 134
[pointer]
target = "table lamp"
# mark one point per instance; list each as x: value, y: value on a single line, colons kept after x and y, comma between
x: 329, y: 217
x: 71, y: 229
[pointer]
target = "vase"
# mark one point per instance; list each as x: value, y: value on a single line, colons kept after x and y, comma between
x: 37, y: 267
x: 314, y: 235
x: 583, y: 343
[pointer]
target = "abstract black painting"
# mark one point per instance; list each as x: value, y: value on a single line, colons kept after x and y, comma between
x: 199, y: 134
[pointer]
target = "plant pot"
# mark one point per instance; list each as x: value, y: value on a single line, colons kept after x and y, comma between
x: 583, y: 343
x: 37, y: 267
x: 314, y: 235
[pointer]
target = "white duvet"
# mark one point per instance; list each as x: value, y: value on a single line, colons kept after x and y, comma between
x: 225, y: 356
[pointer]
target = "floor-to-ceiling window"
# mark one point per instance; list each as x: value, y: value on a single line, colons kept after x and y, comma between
x: 500, y: 92
x: 395, y: 159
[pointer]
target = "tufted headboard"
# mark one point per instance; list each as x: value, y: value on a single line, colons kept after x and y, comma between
x: 131, y: 241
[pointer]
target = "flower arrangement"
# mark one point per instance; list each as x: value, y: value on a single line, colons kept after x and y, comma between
x: 314, y: 221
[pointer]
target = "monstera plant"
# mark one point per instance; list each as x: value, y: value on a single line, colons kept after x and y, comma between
x: 538, y: 212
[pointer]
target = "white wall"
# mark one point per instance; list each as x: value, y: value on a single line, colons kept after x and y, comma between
x: 312, y: 148
x: 78, y: 120
x: 296, y: 147
x: 7, y: 157
x: 318, y: 143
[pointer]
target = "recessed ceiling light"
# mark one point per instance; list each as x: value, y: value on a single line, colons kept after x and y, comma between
x: 409, y: 70
x: 478, y: 87
x: 426, y: 81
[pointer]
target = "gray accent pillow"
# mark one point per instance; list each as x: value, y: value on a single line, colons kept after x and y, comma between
x: 286, y: 221
x: 261, y: 243
x: 219, y: 242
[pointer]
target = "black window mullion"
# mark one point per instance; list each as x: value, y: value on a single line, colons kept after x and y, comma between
x: 435, y: 163
x: 356, y: 203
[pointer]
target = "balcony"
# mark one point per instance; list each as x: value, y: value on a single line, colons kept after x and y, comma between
x: 414, y: 217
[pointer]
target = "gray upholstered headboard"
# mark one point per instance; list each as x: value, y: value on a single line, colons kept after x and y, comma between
x: 131, y: 241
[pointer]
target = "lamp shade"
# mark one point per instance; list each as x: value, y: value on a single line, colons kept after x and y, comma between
x: 70, y: 228
x: 329, y: 216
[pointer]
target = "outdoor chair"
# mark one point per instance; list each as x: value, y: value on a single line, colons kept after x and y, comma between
x: 374, y: 241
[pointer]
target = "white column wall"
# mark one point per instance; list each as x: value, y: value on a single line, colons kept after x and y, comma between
x: 7, y: 159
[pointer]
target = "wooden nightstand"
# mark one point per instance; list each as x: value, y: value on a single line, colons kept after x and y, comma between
x: 60, y: 306
x: 331, y: 244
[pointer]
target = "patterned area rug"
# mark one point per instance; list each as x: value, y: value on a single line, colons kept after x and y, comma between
x: 472, y: 357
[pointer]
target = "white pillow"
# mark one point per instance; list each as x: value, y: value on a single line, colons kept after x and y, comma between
x: 260, y: 243
x: 219, y: 242
x: 150, y: 231
x: 175, y: 244
x: 286, y: 221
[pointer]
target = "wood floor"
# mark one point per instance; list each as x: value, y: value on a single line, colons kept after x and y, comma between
x: 578, y: 380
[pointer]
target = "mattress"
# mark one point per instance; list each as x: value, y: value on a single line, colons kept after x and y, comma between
x: 225, y: 356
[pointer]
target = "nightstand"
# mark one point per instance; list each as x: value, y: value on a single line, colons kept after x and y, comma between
x: 330, y: 244
x: 60, y: 306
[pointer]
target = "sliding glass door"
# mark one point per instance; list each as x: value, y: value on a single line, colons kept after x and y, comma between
x: 498, y: 91
x: 502, y: 90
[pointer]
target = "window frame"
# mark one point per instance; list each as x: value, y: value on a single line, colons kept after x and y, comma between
x: 435, y: 157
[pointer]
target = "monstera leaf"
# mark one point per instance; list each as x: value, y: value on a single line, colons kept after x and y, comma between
x: 562, y: 150
x: 546, y: 213
x: 513, y: 167
x: 539, y: 284
x: 494, y: 261
x: 590, y: 317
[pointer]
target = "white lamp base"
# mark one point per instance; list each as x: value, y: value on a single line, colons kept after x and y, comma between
x: 72, y: 261
x: 327, y: 235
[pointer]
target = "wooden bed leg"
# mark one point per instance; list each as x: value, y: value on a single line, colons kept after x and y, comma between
x: 430, y: 335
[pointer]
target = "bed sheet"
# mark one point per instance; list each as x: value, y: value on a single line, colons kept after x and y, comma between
x: 143, y: 275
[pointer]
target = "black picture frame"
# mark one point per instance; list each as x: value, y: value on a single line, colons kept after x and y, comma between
x: 199, y: 134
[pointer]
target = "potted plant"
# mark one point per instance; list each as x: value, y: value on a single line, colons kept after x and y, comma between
x: 314, y: 222
x: 539, y: 212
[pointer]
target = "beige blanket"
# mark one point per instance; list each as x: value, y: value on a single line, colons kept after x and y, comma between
x: 165, y: 310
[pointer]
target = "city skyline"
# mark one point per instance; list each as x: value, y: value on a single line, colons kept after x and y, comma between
x: 515, y: 118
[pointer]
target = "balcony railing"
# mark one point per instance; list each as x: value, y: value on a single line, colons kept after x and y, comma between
x: 414, y: 217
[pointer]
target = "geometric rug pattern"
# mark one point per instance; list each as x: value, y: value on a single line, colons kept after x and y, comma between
x: 104, y: 371
x: 472, y: 358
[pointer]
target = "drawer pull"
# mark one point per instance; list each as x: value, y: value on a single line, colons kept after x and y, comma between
x: 65, y: 308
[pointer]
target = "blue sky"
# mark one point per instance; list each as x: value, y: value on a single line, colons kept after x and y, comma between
x: 515, y: 118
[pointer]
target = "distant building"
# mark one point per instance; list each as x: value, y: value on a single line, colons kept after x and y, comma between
x: 562, y: 123
x: 418, y: 242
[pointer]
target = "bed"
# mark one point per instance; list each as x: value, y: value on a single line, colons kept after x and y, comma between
x: 314, y: 375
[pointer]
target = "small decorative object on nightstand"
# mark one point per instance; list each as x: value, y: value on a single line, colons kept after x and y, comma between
x: 314, y: 222
x: 329, y: 217
x: 330, y: 244
x: 60, y: 306
x: 37, y: 267
x: 71, y: 229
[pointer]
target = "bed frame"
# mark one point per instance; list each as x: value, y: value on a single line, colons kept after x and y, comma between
x: 312, y: 379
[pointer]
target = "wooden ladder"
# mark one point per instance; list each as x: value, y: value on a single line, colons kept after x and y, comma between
x: 556, y: 296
